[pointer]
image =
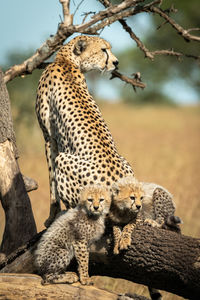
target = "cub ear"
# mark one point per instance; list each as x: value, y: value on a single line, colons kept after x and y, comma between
x: 115, y: 189
x: 79, y: 47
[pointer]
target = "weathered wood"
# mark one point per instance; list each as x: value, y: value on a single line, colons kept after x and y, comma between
x: 21, y: 286
x: 20, y: 224
x: 26, y: 287
x: 30, y: 183
x: 158, y: 258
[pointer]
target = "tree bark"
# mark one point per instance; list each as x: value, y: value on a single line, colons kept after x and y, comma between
x: 158, y: 258
x: 20, y: 225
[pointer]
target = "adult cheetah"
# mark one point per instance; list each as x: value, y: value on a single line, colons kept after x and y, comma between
x: 79, y: 147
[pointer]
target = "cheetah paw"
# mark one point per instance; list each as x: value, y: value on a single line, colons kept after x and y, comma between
x: 151, y: 223
x: 86, y: 281
x: 124, y: 243
x: 116, y: 250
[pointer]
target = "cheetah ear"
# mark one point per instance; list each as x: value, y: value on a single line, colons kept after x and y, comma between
x: 115, y: 189
x: 81, y: 190
x: 79, y: 47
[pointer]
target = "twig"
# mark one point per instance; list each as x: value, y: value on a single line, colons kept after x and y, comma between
x: 136, y: 39
x: 78, y: 6
x: 174, y: 53
x: 135, y: 82
x: 193, y: 29
x: 86, y: 14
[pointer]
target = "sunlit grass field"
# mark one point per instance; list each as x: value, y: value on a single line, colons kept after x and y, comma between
x: 161, y: 143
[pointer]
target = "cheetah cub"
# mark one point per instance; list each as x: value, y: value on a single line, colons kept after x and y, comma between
x: 70, y: 235
x: 140, y: 202
x: 159, y: 208
x: 125, y: 211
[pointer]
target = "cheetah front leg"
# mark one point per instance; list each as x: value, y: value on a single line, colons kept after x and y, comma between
x: 51, y: 153
x: 67, y: 277
x: 82, y: 256
x: 125, y: 240
x: 117, y: 236
x: 152, y: 223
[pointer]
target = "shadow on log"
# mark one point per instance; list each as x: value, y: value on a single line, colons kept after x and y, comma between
x: 158, y: 258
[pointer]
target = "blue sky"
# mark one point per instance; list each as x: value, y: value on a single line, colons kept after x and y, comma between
x: 28, y: 23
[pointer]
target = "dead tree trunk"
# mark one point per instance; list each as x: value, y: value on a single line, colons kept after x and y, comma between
x: 158, y: 258
x: 20, y: 225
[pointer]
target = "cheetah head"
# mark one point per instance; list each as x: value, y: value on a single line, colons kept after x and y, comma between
x: 89, y: 53
x: 96, y: 200
x: 128, y: 194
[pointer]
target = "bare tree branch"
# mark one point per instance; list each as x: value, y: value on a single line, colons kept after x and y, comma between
x: 171, y: 52
x: 127, y: 28
x: 64, y: 31
x: 107, y: 17
x: 147, y: 52
x: 68, y: 19
x: 183, y: 32
x: 135, y: 82
x: 96, y: 23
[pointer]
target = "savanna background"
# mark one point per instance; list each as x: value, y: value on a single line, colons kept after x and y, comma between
x: 157, y: 130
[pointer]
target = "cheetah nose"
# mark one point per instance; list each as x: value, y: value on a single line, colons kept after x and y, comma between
x: 96, y: 207
x: 138, y: 206
x: 115, y: 63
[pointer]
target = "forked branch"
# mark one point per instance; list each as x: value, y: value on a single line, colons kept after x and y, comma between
x: 151, y: 8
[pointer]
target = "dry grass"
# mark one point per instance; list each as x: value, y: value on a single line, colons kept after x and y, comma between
x: 162, y: 144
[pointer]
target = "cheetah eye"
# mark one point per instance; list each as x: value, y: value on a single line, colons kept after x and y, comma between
x: 141, y: 198
x: 132, y: 198
x: 101, y: 199
x: 104, y: 50
x: 90, y: 199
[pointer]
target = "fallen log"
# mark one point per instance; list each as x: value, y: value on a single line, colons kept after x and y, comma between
x: 158, y: 258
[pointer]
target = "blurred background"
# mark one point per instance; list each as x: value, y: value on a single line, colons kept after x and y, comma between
x: 156, y: 129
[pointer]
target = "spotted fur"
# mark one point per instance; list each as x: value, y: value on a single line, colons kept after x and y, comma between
x: 159, y: 207
x: 140, y: 202
x: 79, y: 146
x: 70, y: 235
x: 125, y: 210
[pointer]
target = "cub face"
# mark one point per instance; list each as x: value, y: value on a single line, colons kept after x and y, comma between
x: 95, y: 199
x: 128, y: 194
